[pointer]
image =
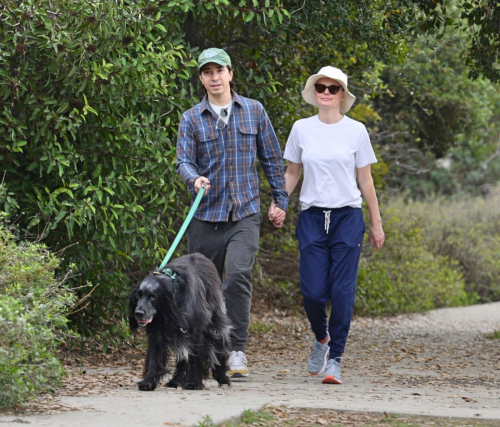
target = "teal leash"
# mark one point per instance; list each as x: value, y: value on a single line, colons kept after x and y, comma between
x: 188, y: 219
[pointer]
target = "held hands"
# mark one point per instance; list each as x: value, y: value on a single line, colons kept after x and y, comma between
x: 276, y: 215
x: 199, y: 181
x: 377, y: 236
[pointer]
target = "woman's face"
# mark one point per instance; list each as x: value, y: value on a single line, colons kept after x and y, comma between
x: 326, y: 99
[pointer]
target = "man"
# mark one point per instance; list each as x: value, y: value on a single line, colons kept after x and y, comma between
x: 218, y: 143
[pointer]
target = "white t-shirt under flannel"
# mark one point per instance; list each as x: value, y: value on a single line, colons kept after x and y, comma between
x: 330, y: 155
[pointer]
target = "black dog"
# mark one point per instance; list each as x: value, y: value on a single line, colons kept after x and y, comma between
x: 183, y: 311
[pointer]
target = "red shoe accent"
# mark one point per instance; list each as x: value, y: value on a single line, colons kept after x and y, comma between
x: 330, y: 380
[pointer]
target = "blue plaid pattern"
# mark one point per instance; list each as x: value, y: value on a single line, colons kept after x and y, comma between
x: 228, y: 158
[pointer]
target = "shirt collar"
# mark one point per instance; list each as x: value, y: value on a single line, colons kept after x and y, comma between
x: 205, y: 105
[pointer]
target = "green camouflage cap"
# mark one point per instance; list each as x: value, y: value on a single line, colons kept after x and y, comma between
x: 219, y: 56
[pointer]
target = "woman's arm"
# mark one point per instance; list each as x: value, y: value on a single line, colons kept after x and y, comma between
x: 292, y: 176
x: 365, y: 181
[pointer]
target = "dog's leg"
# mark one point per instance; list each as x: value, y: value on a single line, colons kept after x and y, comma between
x: 219, y: 372
x: 194, y: 381
x: 179, y: 376
x: 154, y: 367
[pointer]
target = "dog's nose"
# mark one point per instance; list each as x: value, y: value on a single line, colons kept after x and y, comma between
x: 139, y: 313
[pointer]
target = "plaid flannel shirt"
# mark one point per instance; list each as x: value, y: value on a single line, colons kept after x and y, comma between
x: 227, y: 157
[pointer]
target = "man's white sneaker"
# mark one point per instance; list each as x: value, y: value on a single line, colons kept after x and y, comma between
x: 237, y: 365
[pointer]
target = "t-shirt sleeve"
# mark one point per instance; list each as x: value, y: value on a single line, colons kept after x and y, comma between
x: 293, y: 152
x: 364, y: 154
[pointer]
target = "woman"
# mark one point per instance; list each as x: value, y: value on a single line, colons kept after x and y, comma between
x: 332, y: 148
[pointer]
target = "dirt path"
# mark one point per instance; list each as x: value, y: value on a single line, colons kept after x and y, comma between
x: 436, y: 363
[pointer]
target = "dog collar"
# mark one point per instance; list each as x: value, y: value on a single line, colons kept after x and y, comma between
x: 173, y: 275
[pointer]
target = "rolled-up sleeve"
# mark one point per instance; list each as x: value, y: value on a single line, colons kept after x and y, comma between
x: 269, y: 153
x: 186, y: 153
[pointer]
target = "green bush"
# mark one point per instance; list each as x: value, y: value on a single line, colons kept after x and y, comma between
x: 33, y: 308
x: 465, y: 230
x: 91, y: 94
x: 405, y: 276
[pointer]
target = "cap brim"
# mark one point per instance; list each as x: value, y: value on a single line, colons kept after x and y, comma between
x: 215, y: 61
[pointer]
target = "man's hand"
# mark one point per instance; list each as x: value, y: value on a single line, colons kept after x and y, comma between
x: 199, y: 181
x: 276, y: 215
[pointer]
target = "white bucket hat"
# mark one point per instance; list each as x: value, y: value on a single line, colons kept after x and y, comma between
x: 332, y: 73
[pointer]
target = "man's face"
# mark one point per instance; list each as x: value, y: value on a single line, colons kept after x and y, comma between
x: 215, y: 78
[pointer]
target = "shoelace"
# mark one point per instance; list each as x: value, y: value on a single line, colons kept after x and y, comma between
x: 327, y: 220
x: 317, y: 350
x: 335, y: 367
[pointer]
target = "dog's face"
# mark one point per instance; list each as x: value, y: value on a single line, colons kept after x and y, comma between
x: 147, y: 296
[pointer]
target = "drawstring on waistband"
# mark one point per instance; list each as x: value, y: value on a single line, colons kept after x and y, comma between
x: 327, y: 220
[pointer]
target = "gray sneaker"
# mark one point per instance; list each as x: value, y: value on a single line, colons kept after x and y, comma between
x: 333, y: 372
x: 319, y: 355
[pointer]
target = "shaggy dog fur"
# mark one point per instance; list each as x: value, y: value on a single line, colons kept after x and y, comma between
x: 185, y: 315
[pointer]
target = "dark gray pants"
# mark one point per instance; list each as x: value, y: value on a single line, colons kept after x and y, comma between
x: 232, y: 247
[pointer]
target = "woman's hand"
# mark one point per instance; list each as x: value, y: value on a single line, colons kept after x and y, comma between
x: 276, y: 215
x: 377, y: 236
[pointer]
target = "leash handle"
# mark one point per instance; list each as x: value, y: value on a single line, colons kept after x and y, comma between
x: 184, y: 227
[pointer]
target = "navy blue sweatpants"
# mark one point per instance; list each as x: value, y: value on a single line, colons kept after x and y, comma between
x: 330, y: 246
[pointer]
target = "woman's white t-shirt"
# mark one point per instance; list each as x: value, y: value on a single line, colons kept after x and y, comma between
x: 330, y: 155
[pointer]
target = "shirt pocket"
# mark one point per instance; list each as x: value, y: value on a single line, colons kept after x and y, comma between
x: 209, y: 146
x: 248, y: 137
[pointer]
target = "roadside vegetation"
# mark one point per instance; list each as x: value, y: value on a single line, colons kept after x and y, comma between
x: 494, y: 335
x: 91, y: 94
x: 294, y: 417
x: 34, y: 304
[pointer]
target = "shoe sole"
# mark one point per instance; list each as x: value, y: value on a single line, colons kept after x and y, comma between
x: 331, y: 380
x: 238, y: 373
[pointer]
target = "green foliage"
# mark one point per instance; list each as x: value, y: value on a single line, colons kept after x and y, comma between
x: 440, y: 130
x: 33, y: 309
x: 439, y: 253
x: 91, y: 94
x: 483, y: 54
x: 405, y: 276
x: 261, y: 327
x: 494, y: 335
x: 253, y: 417
x: 465, y: 230
x: 90, y: 99
x: 207, y: 422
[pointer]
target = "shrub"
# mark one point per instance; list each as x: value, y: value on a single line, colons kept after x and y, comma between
x: 33, y: 308
x: 463, y: 229
x: 91, y: 94
x: 405, y: 276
